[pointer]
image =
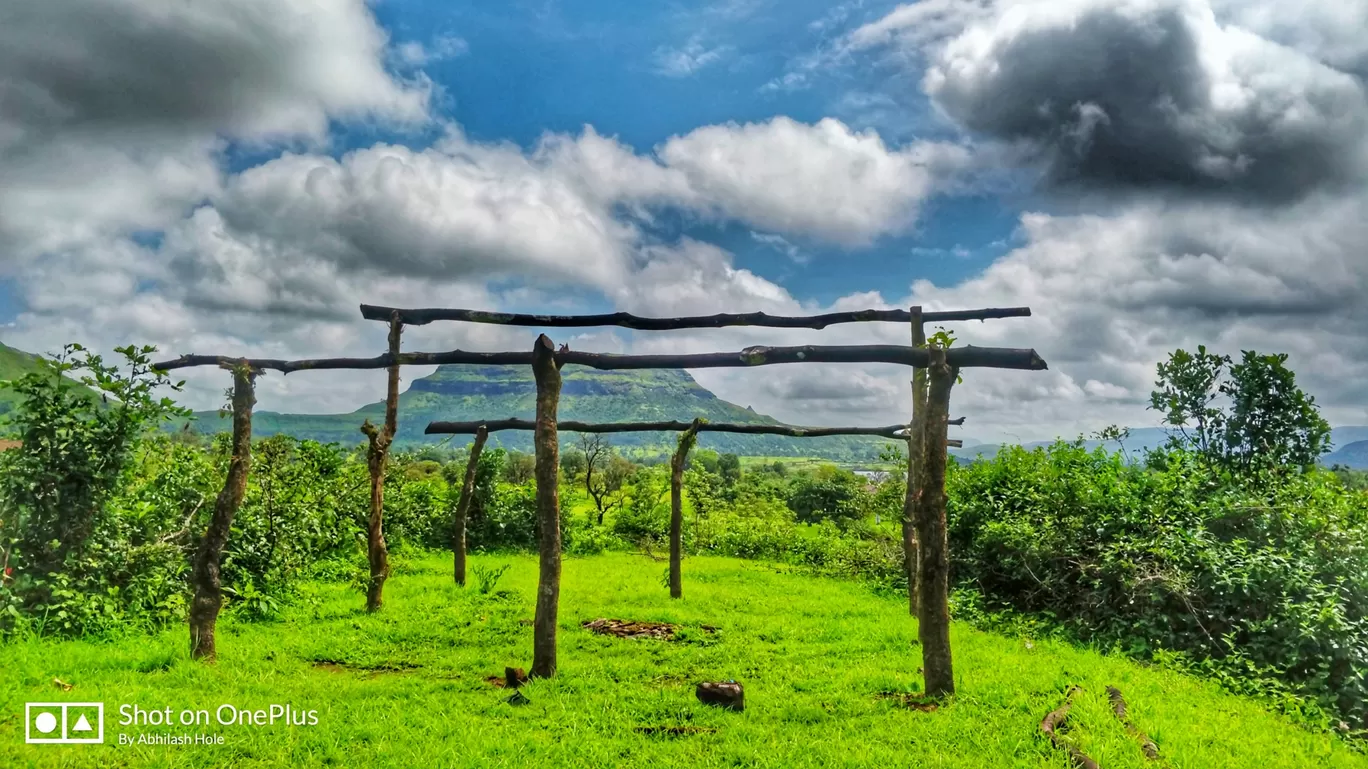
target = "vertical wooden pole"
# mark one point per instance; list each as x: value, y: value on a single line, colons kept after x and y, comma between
x: 547, y: 373
x: 377, y: 457
x: 681, y: 455
x: 458, y: 535
x: 208, y: 599
x: 915, y: 442
x: 933, y: 624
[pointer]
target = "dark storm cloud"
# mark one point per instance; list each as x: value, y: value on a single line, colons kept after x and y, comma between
x: 1155, y: 96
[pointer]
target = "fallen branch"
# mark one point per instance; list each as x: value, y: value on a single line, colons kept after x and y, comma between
x: 1118, y: 704
x: 1055, y: 719
x: 420, y: 317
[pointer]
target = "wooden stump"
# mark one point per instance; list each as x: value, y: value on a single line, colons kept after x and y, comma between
x: 514, y: 677
x: 722, y: 694
x: 546, y: 371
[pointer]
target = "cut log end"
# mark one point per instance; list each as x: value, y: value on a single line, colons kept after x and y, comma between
x: 723, y: 694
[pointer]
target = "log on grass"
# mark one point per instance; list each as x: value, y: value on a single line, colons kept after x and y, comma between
x: 208, y: 598
x: 546, y: 371
x: 423, y: 316
x: 1118, y: 704
x: 1050, y: 727
x: 458, y: 536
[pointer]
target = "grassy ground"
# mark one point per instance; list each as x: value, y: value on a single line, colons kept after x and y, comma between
x: 406, y: 688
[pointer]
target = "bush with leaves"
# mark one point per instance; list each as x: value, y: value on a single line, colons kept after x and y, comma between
x: 68, y: 564
x: 1239, y: 573
x: 829, y: 494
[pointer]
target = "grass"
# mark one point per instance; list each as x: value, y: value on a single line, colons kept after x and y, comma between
x: 406, y: 687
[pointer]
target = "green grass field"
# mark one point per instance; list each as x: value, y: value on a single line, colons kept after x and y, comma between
x: 406, y: 687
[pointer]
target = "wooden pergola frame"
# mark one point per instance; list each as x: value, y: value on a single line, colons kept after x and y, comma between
x: 935, y: 372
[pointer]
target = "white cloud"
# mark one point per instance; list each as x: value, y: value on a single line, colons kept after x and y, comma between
x: 822, y: 180
x: 688, y: 59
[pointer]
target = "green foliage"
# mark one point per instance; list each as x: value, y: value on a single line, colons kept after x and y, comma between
x: 831, y: 494
x: 487, y: 578
x: 1252, y: 576
x: 64, y: 559
x: 1270, y: 422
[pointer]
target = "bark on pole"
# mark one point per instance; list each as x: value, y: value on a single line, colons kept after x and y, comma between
x: 546, y: 371
x: 204, y: 607
x: 681, y: 455
x: 933, y: 626
x: 377, y: 457
x: 915, y: 441
x: 458, y: 536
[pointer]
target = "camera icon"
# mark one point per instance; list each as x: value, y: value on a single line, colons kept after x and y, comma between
x: 64, y: 723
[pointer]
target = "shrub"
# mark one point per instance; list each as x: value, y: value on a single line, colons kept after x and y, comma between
x: 1241, y: 573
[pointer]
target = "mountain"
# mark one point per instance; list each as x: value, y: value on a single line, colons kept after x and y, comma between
x: 1353, y: 455
x: 1353, y: 439
x: 13, y: 364
x: 469, y: 393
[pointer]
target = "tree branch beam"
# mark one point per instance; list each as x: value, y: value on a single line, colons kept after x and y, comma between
x: 792, y: 431
x: 420, y: 317
x: 959, y: 357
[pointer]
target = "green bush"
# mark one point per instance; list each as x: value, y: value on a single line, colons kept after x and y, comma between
x: 1253, y: 575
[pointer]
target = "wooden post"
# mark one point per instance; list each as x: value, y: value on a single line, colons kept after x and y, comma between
x: 208, y: 600
x: 377, y: 457
x: 458, y: 537
x: 547, y: 373
x: 915, y: 451
x: 681, y: 455
x: 933, y: 626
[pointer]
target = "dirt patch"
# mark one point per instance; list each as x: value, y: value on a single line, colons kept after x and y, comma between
x: 495, y: 681
x: 910, y: 700
x: 673, y: 731
x: 623, y: 628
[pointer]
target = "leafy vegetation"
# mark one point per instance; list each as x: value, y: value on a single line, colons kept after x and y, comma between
x: 1227, y: 554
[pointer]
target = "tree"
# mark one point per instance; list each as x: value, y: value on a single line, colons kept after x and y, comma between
x: 1186, y: 390
x: 572, y: 464
x: 829, y: 494
x: 75, y: 448
x: 729, y: 467
x: 519, y: 467
x: 605, y: 473
x: 1270, y: 423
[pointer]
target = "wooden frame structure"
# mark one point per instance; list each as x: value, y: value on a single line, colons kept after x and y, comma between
x: 688, y: 432
x: 924, y: 511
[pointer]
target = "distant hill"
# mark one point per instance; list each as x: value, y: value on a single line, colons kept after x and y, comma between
x: 1353, y: 455
x: 1143, y: 438
x: 467, y: 393
x: 13, y: 365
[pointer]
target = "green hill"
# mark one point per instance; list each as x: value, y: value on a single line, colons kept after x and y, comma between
x: 13, y: 364
x: 1353, y: 455
x: 467, y: 393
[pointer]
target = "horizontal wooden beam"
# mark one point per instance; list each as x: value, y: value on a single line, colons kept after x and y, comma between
x: 421, y: 317
x: 793, y: 431
x: 959, y: 357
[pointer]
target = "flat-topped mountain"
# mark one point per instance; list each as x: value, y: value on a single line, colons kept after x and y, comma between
x: 471, y: 392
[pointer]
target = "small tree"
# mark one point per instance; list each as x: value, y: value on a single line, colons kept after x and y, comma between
x: 1271, y: 422
x: 75, y: 450
x: 605, y: 473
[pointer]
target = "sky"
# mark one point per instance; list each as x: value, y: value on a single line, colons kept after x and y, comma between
x: 234, y: 177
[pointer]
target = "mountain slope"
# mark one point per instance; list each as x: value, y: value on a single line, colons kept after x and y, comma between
x: 1354, y: 455
x: 468, y: 393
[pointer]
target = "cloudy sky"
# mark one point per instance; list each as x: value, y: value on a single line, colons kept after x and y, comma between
x: 236, y: 176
